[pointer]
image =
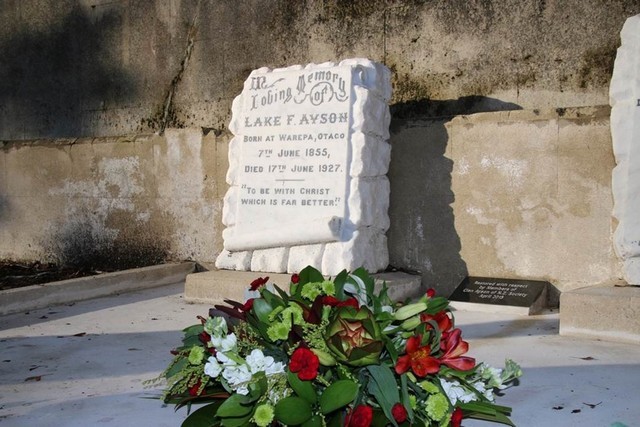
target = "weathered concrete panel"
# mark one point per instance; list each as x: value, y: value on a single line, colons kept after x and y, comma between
x: 508, y: 194
x: 99, y: 68
x: 114, y: 202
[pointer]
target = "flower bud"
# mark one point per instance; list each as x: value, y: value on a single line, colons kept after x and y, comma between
x: 410, y: 310
x: 411, y: 323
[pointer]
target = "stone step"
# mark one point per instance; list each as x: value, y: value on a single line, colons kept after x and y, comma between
x: 213, y: 287
x: 610, y: 313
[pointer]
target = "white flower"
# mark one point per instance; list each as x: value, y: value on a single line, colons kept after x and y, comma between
x: 482, y: 388
x: 274, y: 368
x: 238, y: 378
x: 212, y: 367
x: 456, y: 393
x: 493, y: 376
x: 258, y: 362
x: 216, y: 326
x: 226, y: 343
x: 225, y: 360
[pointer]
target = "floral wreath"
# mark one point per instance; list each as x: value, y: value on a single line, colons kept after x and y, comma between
x: 332, y: 353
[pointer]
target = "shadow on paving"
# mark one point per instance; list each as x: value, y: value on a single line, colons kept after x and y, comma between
x: 57, y: 312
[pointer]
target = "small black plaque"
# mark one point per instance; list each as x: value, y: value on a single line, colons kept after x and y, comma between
x: 525, y: 296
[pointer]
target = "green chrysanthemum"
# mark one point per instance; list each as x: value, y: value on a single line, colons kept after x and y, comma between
x: 437, y: 406
x: 196, y: 354
x: 311, y: 290
x: 328, y: 287
x: 263, y: 416
x: 294, y: 312
x: 413, y: 402
x: 278, y: 331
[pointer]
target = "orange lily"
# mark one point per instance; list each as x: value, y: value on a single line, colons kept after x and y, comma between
x: 418, y: 359
x: 454, y: 347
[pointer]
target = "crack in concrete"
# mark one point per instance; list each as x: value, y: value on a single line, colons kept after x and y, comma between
x: 168, y: 101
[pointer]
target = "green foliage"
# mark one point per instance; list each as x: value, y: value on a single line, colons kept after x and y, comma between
x: 293, y: 411
x: 338, y: 395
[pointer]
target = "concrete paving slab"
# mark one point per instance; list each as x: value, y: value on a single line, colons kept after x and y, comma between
x: 213, y: 287
x: 83, y: 364
x: 610, y: 313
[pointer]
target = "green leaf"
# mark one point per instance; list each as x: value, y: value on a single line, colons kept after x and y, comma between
x: 314, y: 421
x: 384, y: 388
x: 236, y: 421
x: 177, y: 367
x: 283, y: 295
x: 304, y: 389
x: 497, y: 417
x: 262, y: 309
x: 436, y: 305
x: 337, y: 395
x: 339, y: 282
x: 404, y: 395
x: 203, y: 417
x: 259, y: 387
x: 193, y: 330
x: 236, y: 405
x: 309, y: 274
x: 293, y: 411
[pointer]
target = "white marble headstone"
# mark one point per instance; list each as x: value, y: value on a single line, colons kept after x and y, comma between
x: 624, y: 95
x: 307, y: 169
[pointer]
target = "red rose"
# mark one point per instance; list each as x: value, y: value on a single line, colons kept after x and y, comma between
x: 456, y: 417
x: 260, y: 281
x: 399, y: 413
x: 305, y: 363
x: 431, y: 292
x: 361, y: 416
x: 295, y: 278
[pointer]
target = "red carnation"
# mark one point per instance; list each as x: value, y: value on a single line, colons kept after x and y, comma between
x: 305, y: 363
x: 295, y: 278
x: 193, y: 390
x: 247, y: 305
x: 399, y: 413
x: 335, y: 302
x: 361, y: 416
x: 456, y: 417
x: 260, y: 281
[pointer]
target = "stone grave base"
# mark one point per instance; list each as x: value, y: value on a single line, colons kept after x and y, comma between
x: 610, y: 313
x: 213, y: 287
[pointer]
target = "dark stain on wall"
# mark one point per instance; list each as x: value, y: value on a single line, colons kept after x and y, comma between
x: 426, y: 108
x: 79, y: 244
x: 49, y: 76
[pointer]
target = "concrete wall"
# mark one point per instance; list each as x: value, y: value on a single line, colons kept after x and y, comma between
x: 112, y: 203
x: 523, y: 194
x: 76, y: 68
x: 520, y: 194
